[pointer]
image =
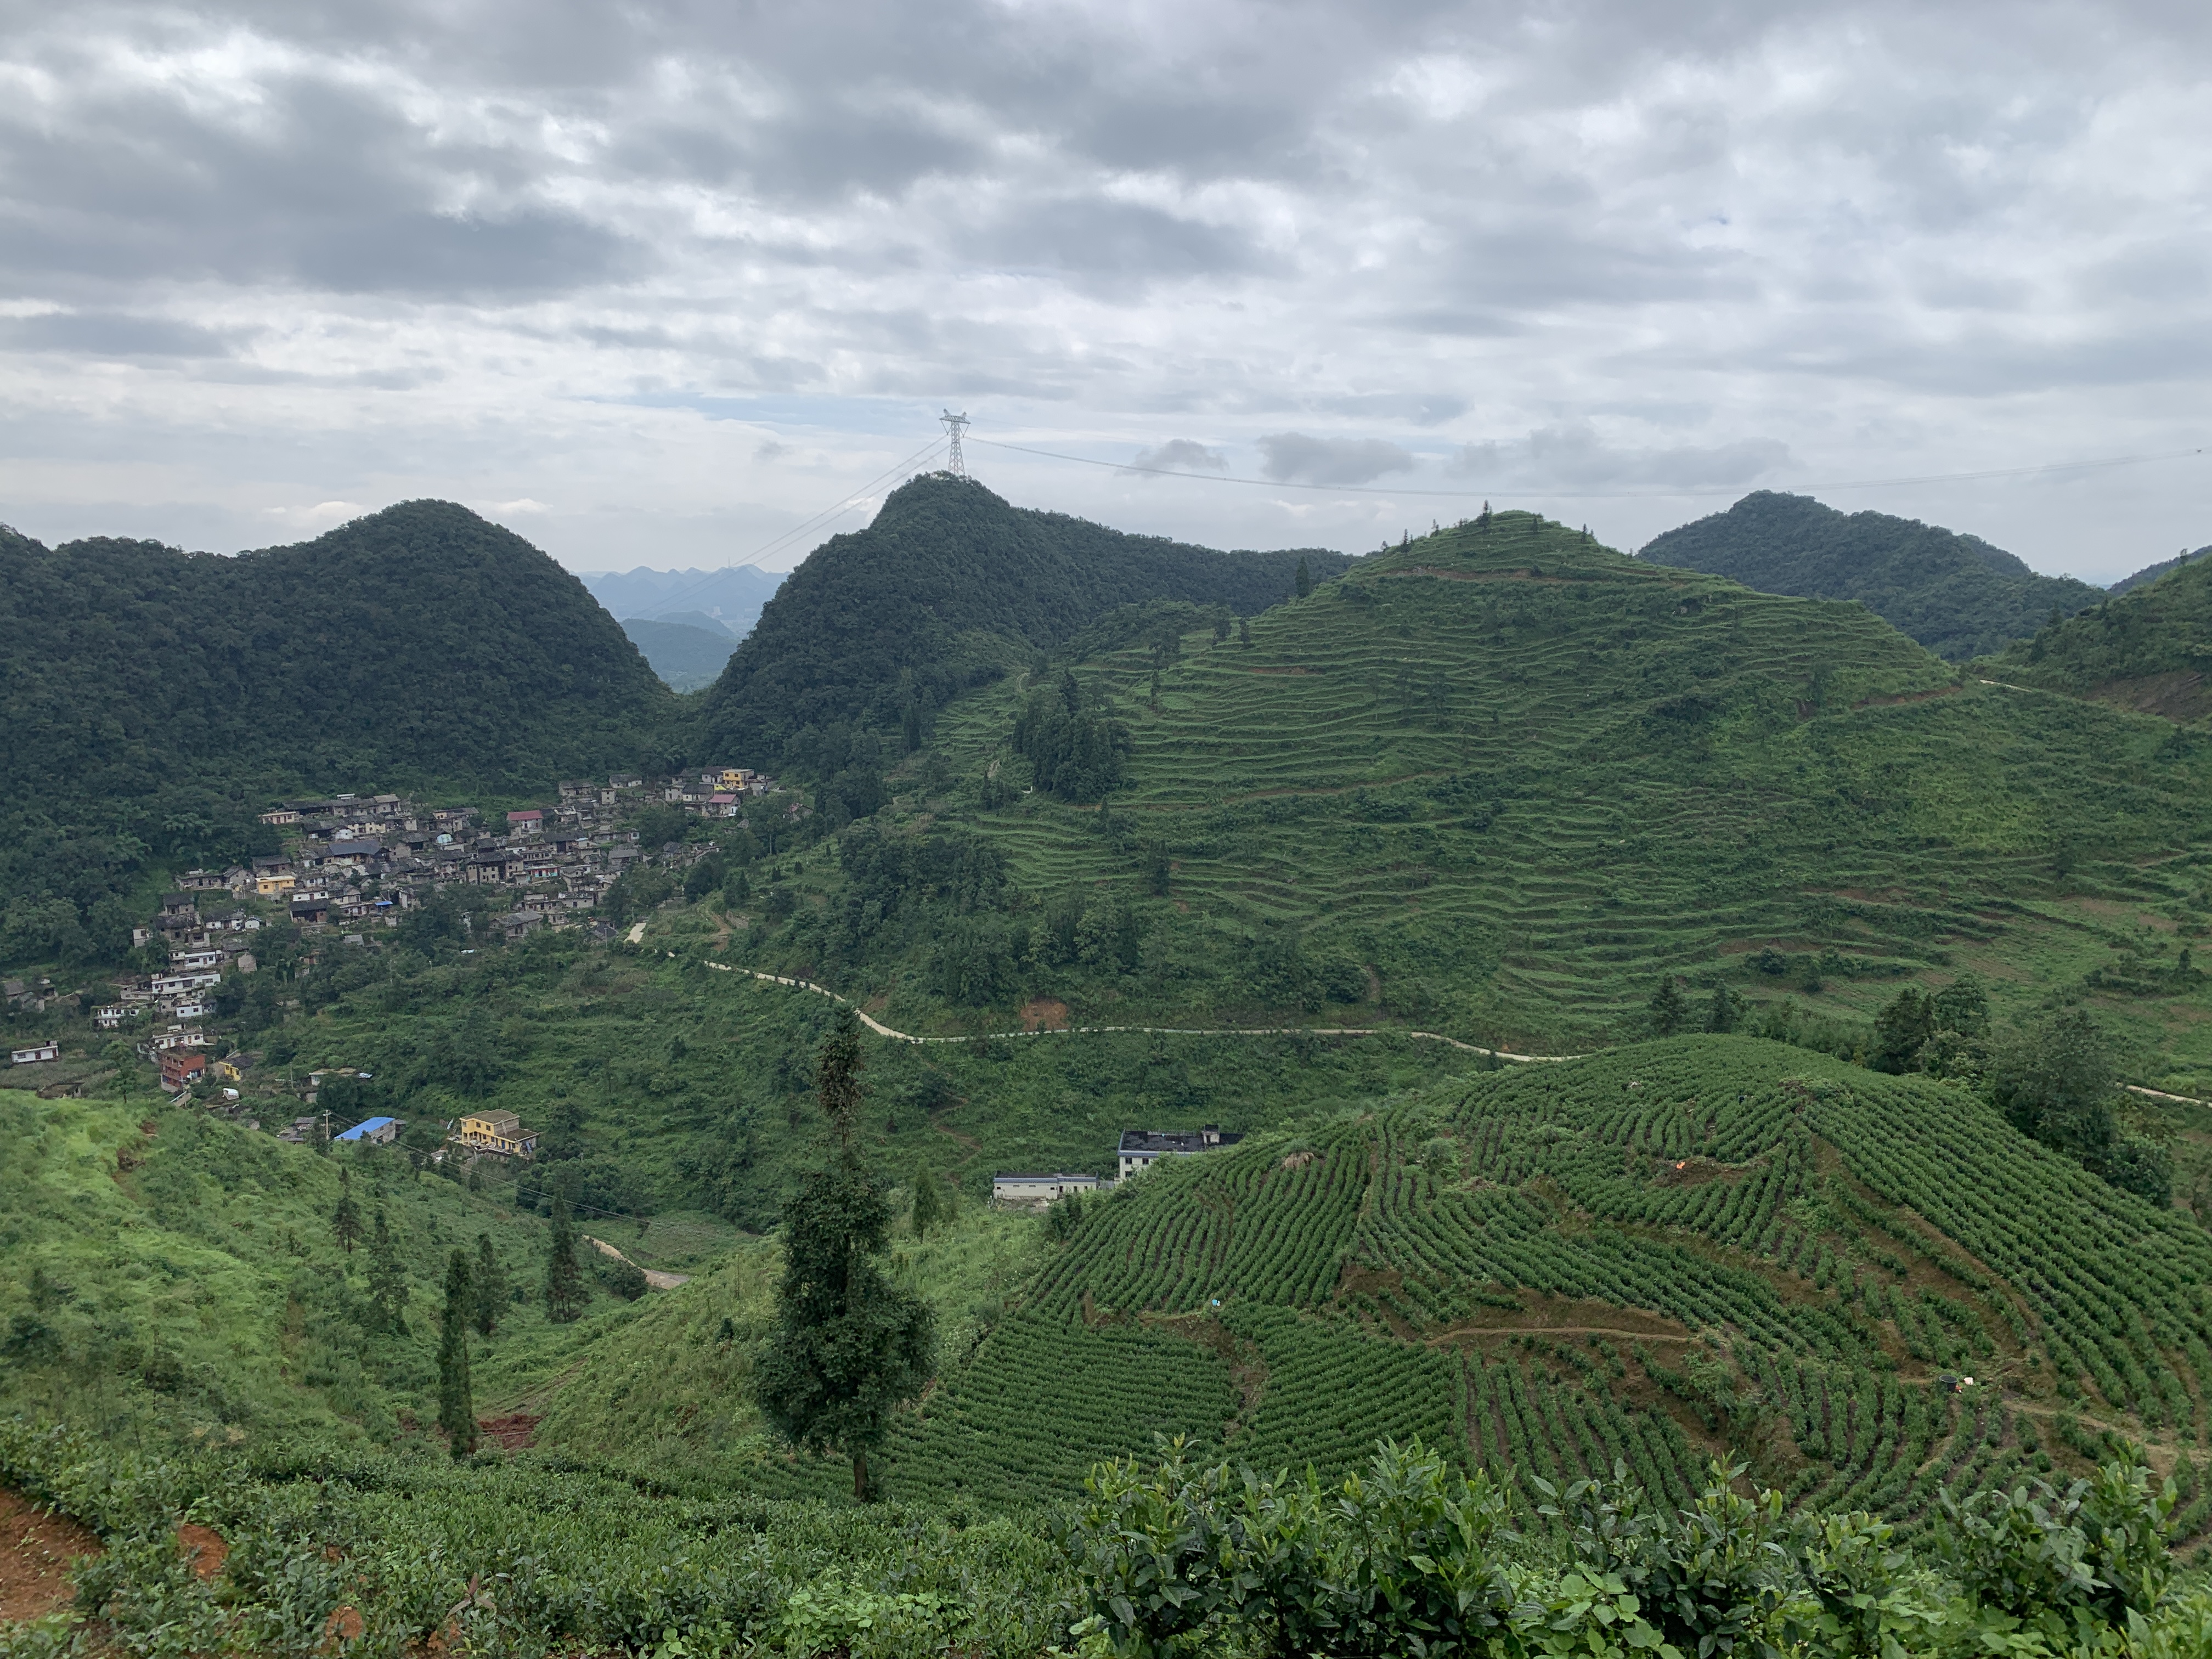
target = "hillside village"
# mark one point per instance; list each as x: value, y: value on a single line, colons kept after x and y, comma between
x: 351, y: 866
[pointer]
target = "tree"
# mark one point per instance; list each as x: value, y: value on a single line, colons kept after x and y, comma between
x: 1963, y: 1006
x: 1304, y: 578
x: 2056, y: 1083
x: 566, y: 1293
x: 457, y: 1411
x: 489, y: 1283
x: 1725, y: 1012
x: 1901, y: 1029
x: 848, y: 1344
x: 928, y: 1204
x: 1670, y: 1009
x: 345, y: 1220
x: 387, y: 1280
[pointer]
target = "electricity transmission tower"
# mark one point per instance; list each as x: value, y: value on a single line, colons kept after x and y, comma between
x: 955, y: 462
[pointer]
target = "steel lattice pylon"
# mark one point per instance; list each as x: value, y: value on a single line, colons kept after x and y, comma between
x: 955, y: 462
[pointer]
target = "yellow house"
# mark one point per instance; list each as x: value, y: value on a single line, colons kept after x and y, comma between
x: 497, y: 1132
x: 274, y: 887
x: 736, y: 777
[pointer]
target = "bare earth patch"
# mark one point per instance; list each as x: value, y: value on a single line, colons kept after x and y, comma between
x: 1044, y: 1014
x: 515, y: 1432
x: 36, y: 1548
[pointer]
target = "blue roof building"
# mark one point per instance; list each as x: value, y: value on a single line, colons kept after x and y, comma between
x: 372, y: 1132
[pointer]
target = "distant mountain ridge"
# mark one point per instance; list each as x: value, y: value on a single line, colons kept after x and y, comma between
x: 1956, y: 594
x: 155, y: 698
x: 948, y: 588
x: 731, y: 596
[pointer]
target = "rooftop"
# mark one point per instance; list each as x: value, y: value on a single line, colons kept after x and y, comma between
x: 1176, y: 1141
x: 367, y: 1126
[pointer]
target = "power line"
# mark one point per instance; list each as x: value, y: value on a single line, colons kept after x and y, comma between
x: 1595, y: 495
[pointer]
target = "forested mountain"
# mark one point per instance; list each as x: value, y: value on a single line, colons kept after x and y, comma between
x: 154, y: 700
x: 949, y: 588
x: 2148, y: 648
x: 687, y: 656
x: 2151, y: 573
x: 1956, y: 594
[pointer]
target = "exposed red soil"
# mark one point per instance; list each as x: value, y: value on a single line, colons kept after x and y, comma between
x: 36, y: 1548
x: 515, y: 1432
x: 204, y: 1547
x: 1044, y: 1014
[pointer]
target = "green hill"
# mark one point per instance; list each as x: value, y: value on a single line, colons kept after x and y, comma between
x: 2148, y: 648
x: 688, y: 657
x: 1956, y: 594
x: 2151, y: 573
x: 1654, y: 1254
x: 1496, y: 784
x: 949, y: 588
x: 156, y: 700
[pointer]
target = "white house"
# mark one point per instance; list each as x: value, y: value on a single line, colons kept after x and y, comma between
x: 1039, y: 1189
x: 175, y: 985
x: 1141, y: 1148
x: 49, y: 1049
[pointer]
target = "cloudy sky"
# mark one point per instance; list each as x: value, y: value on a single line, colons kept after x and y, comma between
x: 659, y: 282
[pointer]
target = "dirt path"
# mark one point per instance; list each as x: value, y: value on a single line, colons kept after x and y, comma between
x: 1442, y: 1337
x: 653, y: 1276
x: 884, y: 1030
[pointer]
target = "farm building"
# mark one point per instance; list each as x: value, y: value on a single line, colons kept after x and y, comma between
x: 1141, y: 1148
x: 370, y: 1132
x: 1039, y: 1189
x: 31, y: 1054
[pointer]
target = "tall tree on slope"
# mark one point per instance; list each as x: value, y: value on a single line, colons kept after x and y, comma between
x: 456, y: 1411
x: 850, y: 1345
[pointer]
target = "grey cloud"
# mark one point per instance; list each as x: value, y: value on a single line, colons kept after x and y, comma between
x: 1295, y: 458
x: 1118, y: 243
x: 1183, y: 455
x: 1574, y: 457
x: 114, y: 334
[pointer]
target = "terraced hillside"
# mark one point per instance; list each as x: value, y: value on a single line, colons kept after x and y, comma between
x: 1652, y: 1255
x: 2147, y: 648
x: 1499, y: 780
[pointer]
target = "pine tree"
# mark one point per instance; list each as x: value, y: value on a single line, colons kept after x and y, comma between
x: 387, y: 1280
x: 850, y: 1345
x: 565, y: 1293
x: 929, y: 1206
x: 457, y: 1411
x: 1304, y: 578
x: 345, y: 1220
x: 1670, y: 1009
x: 490, y: 1283
x: 1725, y: 1012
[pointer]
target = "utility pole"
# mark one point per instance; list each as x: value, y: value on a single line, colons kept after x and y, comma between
x: 955, y: 462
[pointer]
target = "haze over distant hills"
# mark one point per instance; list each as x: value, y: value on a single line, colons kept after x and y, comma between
x: 689, y: 653
x: 731, y: 596
x: 1954, y: 594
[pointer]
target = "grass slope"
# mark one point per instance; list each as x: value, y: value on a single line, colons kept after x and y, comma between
x: 162, y: 1272
x: 1956, y: 594
x: 1497, y: 782
x: 2148, y: 649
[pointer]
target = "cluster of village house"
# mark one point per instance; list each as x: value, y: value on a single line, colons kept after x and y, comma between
x: 357, y: 861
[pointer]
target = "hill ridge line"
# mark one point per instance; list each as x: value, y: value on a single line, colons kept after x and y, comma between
x: 884, y: 1030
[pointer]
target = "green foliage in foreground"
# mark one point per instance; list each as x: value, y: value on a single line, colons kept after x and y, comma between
x: 525, y: 1556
